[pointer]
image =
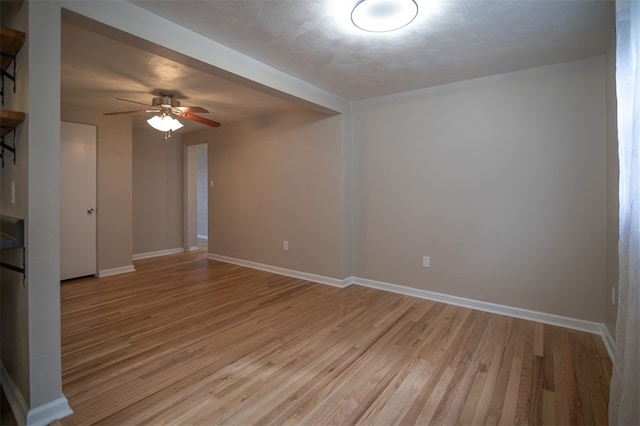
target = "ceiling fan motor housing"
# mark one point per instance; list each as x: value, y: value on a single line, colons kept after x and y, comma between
x: 165, y: 100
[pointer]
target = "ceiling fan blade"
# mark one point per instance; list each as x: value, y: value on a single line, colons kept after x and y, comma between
x: 192, y: 109
x: 199, y: 119
x: 133, y: 102
x: 139, y: 111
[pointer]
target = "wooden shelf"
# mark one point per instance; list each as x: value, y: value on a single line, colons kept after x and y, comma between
x: 12, y: 41
x: 9, y: 120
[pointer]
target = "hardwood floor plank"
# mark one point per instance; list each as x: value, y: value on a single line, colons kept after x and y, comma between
x: 537, y: 388
x: 549, y: 407
x: 466, y: 365
x: 187, y: 340
x: 496, y: 352
x: 525, y: 391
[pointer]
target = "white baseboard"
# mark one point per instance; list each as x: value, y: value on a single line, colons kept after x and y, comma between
x: 510, y: 311
x: 609, y: 341
x: 536, y: 316
x: 158, y: 253
x: 194, y: 248
x: 46, y: 413
x: 41, y: 415
x: 203, y: 237
x: 542, y: 317
x: 280, y: 271
x: 116, y: 271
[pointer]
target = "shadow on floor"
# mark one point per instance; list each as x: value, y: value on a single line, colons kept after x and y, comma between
x: 6, y: 415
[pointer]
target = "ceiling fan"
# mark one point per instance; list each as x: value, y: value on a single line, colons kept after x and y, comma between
x: 167, y: 109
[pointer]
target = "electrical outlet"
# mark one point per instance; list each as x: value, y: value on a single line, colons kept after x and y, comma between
x: 426, y: 262
x: 285, y: 245
x: 613, y: 295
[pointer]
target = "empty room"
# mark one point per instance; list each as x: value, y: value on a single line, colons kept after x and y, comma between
x: 319, y: 212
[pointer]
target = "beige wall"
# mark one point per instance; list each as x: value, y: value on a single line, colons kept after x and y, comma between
x: 277, y: 178
x: 500, y: 180
x: 157, y: 191
x: 115, y: 198
x: 612, y: 186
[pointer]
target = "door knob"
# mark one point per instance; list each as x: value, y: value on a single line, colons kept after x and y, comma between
x: 91, y: 210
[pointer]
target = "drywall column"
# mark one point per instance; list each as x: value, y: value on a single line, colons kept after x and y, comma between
x: 43, y: 224
x: 347, y: 205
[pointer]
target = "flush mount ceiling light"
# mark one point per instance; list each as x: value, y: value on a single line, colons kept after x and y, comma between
x: 383, y: 15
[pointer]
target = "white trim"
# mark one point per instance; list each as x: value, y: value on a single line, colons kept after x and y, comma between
x: 158, y: 253
x: 608, y: 340
x: 14, y: 396
x: 116, y: 271
x: 203, y: 237
x: 510, y: 311
x: 348, y: 281
x: 321, y: 279
x: 543, y: 317
x: 39, y: 416
x: 44, y: 414
x: 194, y: 248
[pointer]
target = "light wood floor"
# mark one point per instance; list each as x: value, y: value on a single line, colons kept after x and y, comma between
x: 186, y: 340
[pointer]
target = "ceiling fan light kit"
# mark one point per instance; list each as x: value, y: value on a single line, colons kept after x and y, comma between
x: 168, y: 109
x: 383, y: 15
x: 164, y: 123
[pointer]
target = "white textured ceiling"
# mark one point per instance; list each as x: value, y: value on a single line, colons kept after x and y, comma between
x: 315, y: 41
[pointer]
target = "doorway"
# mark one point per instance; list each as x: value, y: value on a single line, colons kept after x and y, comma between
x: 197, y: 199
x: 78, y: 187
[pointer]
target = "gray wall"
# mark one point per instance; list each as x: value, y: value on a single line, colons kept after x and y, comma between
x: 277, y: 178
x: 500, y: 180
x: 157, y: 191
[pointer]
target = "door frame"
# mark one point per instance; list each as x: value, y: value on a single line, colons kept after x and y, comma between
x: 190, y: 202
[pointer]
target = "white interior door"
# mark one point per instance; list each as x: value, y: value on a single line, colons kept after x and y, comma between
x: 77, y: 200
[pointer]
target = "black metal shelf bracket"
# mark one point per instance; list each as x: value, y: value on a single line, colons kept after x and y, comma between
x: 20, y: 269
x: 11, y: 238
x: 11, y: 148
x: 10, y: 76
